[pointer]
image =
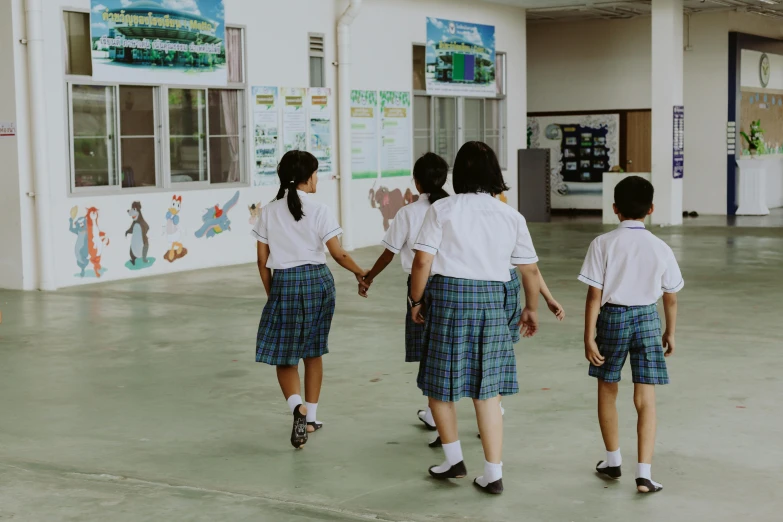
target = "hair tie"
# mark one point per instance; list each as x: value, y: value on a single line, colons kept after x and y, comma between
x: 291, y: 182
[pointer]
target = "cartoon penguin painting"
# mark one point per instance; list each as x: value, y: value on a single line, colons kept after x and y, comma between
x: 140, y: 243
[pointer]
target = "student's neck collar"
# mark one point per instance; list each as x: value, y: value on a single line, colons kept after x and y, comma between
x: 302, y: 192
x: 632, y: 224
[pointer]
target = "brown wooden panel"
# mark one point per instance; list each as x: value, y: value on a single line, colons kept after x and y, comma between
x: 638, y: 133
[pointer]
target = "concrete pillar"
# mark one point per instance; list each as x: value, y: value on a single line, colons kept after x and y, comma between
x: 667, y: 58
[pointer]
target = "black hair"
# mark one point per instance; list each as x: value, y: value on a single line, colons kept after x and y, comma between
x: 431, y: 171
x: 634, y: 197
x: 296, y: 167
x: 476, y: 169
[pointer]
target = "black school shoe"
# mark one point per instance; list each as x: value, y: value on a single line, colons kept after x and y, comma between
x: 644, y: 485
x: 493, y: 488
x: 299, y: 430
x: 613, y: 472
x: 421, y: 418
x: 456, y: 471
x: 437, y: 443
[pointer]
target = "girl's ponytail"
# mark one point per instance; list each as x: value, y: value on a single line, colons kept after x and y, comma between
x: 431, y: 171
x: 296, y: 167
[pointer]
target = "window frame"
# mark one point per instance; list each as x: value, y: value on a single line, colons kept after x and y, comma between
x: 460, y: 113
x: 163, y: 181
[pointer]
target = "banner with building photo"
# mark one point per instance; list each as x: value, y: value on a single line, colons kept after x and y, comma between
x: 582, y: 148
x: 266, y: 124
x: 294, y: 118
x: 320, y: 126
x: 180, y: 42
x: 460, y: 58
x: 396, y: 144
x: 364, y: 134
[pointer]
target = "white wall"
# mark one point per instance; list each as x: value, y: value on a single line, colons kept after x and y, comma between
x: 382, y: 40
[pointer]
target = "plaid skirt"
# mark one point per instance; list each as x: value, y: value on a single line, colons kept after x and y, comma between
x: 513, y: 306
x: 467, y: 345
x: 414, y: 333
x: 297, y: 317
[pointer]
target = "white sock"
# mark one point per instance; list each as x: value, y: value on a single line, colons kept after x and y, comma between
x: 426, y: 416
x: 294, y: 401
x: 453, y: 452
x: 492, y: 473
x: 613, y: 459
x: 644, y: 471
x: 311, y: 409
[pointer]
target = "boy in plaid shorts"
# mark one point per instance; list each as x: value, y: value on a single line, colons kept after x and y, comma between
x: 627, y: 271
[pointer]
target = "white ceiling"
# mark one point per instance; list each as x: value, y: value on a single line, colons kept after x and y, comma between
x: 568, y: 10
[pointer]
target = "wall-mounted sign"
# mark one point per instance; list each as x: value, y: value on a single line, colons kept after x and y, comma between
x: 764, y: 70
x: 7, y: 128
x: 678, y: 143
x: 158, y: 41
x: 460, y: 58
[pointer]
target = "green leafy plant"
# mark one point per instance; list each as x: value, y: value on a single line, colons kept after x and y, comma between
x: 756, y: 138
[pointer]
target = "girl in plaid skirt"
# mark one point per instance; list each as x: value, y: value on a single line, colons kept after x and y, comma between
x: 466, y: 242
x: 291, y: 234
x: 429, y: 174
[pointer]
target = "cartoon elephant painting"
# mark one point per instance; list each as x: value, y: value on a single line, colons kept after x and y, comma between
x: 389, y: 202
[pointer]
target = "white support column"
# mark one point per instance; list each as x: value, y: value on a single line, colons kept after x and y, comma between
x: 667, y: 58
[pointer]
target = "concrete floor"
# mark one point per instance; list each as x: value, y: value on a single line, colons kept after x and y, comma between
x: 141, y: 400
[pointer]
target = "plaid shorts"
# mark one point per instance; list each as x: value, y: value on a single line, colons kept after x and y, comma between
x: 513, y: 305
x: 297, y: 317
x: 634, y: 329
x: 414, y: 333
x: 467, y: 346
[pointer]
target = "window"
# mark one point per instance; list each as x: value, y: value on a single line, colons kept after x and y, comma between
x: 78, y: 46
x: 443, y: 124
x: 136, y: 136
x: 317, y: 56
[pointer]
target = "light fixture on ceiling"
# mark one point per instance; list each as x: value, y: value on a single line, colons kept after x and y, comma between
x: 770, y: 2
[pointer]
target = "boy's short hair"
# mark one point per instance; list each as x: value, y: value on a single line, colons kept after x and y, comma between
x: 634, y: 197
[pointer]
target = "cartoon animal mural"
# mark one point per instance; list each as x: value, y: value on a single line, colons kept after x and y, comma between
x: 78, y: 226
x: 173, y: 233
x: 140, y: 243
x: 216, y: 219
x: 96, y: 240
x: 389, y: 202
x: 255, y: 213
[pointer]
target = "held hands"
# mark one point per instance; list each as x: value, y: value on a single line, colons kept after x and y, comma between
x: 528, y: 323
x: 592, y: 353
x: 668, y: 343
x: 364, y: 283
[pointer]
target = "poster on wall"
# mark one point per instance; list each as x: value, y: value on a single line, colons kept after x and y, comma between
x: 294, y: 119
x: 582, y: 148
x: 460, y: 58
x: 265, y: 134
x: 158, y: 41
x: 678, y: 142
x: 320, y: 118
x: 396, y: 153
x: 364, y: 134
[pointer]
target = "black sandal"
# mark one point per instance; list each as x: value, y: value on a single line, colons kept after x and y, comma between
x: 437, y: 443
x: 429, y: 426
x: 644, y: 485
x: 456, y: 471
x: 299, y: 430
x: 493, y: 488
x: 612, y: 472
x: 315, y: 425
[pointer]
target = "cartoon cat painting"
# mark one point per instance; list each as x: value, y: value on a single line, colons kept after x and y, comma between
x: 173, y: 233
x: 255, y: 212
x: 96, y: 240
x: 216, y: 219
x: 78, y: 226
x: 140, y: 243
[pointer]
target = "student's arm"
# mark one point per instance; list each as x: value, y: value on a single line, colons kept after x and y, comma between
x: 420, y: 274
x: 262, y: 254
x: 551, y: 303
x: 531, y: 285
x: 344, y: 259
x: 383, y: 261
x: 670, y: 311
x: 592, y: 309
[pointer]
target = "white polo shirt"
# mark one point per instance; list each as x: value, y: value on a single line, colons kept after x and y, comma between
x: 403, y: 231
x: 475, y: 236
x: 632, y: 266
x: 294, y: 243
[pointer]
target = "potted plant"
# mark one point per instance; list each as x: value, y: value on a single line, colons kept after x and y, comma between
x: 756, y: 138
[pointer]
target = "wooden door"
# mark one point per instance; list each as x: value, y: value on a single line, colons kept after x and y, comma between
x: 638, y: 141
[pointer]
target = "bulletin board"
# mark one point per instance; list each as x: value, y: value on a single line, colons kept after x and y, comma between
x: 765, y: 105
